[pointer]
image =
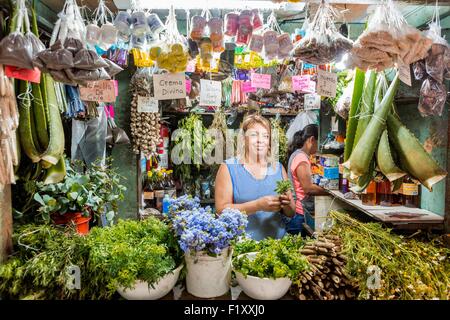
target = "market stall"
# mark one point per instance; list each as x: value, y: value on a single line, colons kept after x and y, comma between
x: 127, y: 131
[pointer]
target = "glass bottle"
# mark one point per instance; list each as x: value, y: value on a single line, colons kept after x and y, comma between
x: 369, y: 196
x: 149, y: 193
x: 384, y: 193
x: 410, y: 193
x: 159, y: 191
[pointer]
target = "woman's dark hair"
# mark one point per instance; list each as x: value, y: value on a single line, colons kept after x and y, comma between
x: 300, y: 137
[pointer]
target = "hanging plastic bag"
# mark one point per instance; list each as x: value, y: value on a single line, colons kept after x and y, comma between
x: 59, y: 60
x: 91, y: 75
x: 231, y: 24
x: 114, y: 134
x: 122, y: 22
x: 322, y: 43
x: 300, y: 122
x: 342, y: 107
x: 433, y: 96
x: 89, y: 138
x: 69, y: 24
x: 89, y: 60
x: 139, y: 23
x: 419, y: 70
x: 435, y: 61
x: 73, y: 45
x: 198, y: 24
x: 16, y: 49
x: 61, y: 76
x: 245, y: 28
x: 173, y: 55
x: 112, y: 69
x: 36, y: 44
x: 215, y: 25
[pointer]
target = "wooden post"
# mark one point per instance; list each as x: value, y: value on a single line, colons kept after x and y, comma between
x: 5, y: 222
x: 447, y: 182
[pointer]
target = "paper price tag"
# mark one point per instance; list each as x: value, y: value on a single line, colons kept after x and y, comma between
x: 147, y: 104
x: 260, y: 80
x: 188, y: 86
x: 326, y: 83
x: 303, y: 84
x: 312, y: 101
x: 210, y: 93
x: 100, y: 91
x: 169, y: 86
x: 247, y: 87
x: 405, y: 74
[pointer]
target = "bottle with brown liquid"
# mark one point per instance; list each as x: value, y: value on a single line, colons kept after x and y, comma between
x: 410, y: 193
x: 384, y: 193
x: 149, y: 192
x: 369, y: 196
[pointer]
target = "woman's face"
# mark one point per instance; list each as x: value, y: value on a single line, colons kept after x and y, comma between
x: 257, y: 141
x: 313, y: 145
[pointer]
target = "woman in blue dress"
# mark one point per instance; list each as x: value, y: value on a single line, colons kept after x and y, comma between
x: 248, y: 181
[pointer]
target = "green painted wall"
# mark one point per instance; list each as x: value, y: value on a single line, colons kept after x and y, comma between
x: 124, y: 160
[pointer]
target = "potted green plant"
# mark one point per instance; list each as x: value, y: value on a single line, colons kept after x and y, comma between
x: 266, y: 269
x: 139, y: 259
x: 80, y: 196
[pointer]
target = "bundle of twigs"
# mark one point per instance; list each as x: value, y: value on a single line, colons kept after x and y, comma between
x: 326, y: 280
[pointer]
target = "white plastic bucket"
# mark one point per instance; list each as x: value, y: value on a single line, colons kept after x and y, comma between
x: 262, y: 288
x: 142, y: 290
x: 208, y: 277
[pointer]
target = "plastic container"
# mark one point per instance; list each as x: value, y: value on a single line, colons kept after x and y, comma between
x: 208, y: 277
x: 166, y: 203
x: 93, y: 34
x: 140, y: 26
x: 122, y: 22
x: 155, y: 24
x: 143, y: 291
x: 81, y: 222
x: 231, y: 24
x: 262, y: 288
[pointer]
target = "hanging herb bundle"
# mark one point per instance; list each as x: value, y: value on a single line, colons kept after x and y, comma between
x: 189, y: 146
x: 410, y: 269
x: 279, y: 134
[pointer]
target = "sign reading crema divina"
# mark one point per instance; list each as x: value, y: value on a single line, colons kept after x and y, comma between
x: 169, y: 86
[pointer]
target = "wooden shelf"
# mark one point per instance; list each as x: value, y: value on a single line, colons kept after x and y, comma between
x: 398, y: 216
x: 183, y: 113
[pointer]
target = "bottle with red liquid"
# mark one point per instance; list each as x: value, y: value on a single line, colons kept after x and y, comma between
x: 384, y: 193
x: 369, y: 196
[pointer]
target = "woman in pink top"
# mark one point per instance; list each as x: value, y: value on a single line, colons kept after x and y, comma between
x: 304, y: 145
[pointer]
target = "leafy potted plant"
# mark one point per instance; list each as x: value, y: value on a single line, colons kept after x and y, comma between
x: 206, y: 241
x: 80, y: 196
x: 139, y: 259
x: 265, y: 269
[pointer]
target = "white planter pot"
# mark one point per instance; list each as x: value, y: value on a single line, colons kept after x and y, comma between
x: 142, y: 290
x: 208, y: 277
x: 262, y: 288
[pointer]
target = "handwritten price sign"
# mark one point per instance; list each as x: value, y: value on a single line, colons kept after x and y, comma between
x: 326, y: 83
x: 260, y: 80
x: 303, y: 84
x: 100, y: 91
